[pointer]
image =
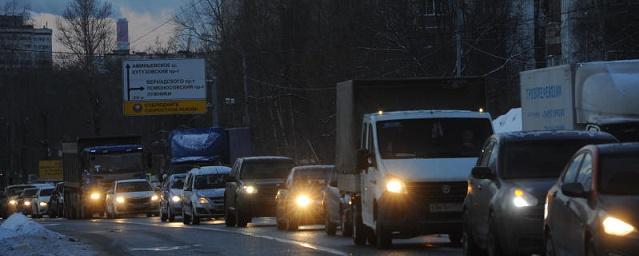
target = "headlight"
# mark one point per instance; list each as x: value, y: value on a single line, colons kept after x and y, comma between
x: 617, y: 227
x: 250, y: 189
x: 119, y: 200
x: 95, y: 196
x: 176, y: 199
x: 203, y: 200
x: 27, y: 203
x: 394, y: 185
x: 154, y: 198
x: 43, y: 204
x: 523, y: 199
x: 13, y: 202
x: 546, y: 210
x: 302, y: 200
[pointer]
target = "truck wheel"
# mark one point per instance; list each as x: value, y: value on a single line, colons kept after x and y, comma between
x: 384, y: 238
x: 359, y: 230
x: 331, y: 228
x: 229, y: 219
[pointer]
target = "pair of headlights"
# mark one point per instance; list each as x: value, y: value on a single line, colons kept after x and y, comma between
x: 121, y: 199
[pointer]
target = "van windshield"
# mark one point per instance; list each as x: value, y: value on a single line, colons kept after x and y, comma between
x: 619, y: 175
x: 178, y: 183
x: 209, y: 181
x: 432, y: 138
x: 116, y: 163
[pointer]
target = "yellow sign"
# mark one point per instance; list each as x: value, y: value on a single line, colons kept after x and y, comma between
x: 181, y: 107
x: 51, y: 170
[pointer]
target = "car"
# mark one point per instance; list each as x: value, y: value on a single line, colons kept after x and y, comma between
x: 252, y: 186
x: 56, y: 201
x: 204, y: 193
x: 132, y: 196
x: 503, y: 210
x: 10, y: 201
x: 593, y: 209
x: 336, y: 209
x: 24, y: 200
x: 171, y: 199
x: 299, y: 200
x: 40, y: 202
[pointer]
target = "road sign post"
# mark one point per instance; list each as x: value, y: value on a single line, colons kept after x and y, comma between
x: 164, y: 87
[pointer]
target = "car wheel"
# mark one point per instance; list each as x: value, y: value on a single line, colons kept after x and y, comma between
x: 195, y: 220
x: 384, y: 238
x: 359, y: 230
x: 186, y: 219
x: 455, y: 239
x: 170, y: 214
x: 240, y: 218
x: 331, y: 228
x: 229, y: 219
x: 469, y: 246
x: 291, y: 224
x: 550, y: 247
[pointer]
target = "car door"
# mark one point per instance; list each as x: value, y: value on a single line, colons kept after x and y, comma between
x: 558, y: 213
x: 370, y: 181
x: 484, y: 190
x: 579, y: 209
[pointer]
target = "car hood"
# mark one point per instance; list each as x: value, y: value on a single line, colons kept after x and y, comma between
x: 536, y: 187
x: 625, y: 208
x: 435, y: 169
x: 216, y: 192
x: 136, y: 194
x: 177, y: 191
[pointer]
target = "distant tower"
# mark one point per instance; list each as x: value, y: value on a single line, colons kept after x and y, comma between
x: 123, y: 35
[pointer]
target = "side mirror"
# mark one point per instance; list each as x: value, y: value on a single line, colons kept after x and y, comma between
x: 362, y: 160
x: 574, y: 190
x: 482, y: 172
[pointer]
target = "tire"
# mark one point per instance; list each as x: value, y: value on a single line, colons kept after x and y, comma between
x: 455, y: 239
x: 329, y: 227
x: 195, y: 220
x: 170, y: 214
x: 347, y: 229
x: 359, y: 230
x: 229, y: 219
x: 163, y: 217
x: 149, y: 214
x: 383, y: 238
x: 241, y: 220
x: 186, y: 219
x: 469, y: 246
x: 549, y: 245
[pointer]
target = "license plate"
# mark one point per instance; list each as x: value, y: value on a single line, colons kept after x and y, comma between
x: 446, y: 207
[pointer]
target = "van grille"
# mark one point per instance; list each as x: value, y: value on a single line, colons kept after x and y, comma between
x: 438, y: 191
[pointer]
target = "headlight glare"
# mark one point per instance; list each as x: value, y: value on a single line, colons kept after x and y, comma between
x: 13, y: 202
x: 250, y: 189
x: 302, y: 200
x: 176, y: 199
x: 395, y: 186
x: 523, y: 199
x: 154, y: 198
x: 27, y: 203
x: 43, y: 204
x: 119, y: 200
x: 95, y: 196
x: 617, y: 227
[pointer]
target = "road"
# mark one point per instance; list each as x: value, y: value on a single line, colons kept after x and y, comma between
x: 150, y: 236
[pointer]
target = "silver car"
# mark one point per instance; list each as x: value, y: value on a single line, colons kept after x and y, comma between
x: 204, y: 193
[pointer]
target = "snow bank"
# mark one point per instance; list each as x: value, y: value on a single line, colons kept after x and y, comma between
x: 21, y: 236
x: 510, y: 122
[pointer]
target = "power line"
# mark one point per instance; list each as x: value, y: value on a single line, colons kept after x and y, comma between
x: 181, y: 10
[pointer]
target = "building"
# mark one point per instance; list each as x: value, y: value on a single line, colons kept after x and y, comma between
x: 22, y: 46
x: 122, y: 36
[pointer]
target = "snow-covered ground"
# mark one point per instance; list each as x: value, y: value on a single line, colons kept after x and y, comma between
x: 508, y: 122
x: 20, y: 235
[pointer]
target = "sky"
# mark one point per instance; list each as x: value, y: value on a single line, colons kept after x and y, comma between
x: 143, y: 16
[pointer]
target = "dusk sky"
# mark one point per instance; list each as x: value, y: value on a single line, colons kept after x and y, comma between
x: 143, y: 16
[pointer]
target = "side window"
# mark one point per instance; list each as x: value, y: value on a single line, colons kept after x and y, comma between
x: 494, y: 153
x: 486, y: 152
x: 370, y: 139
x: 585, y: 173
x: 362, y: 139
x: 187, y: 183
x: 573, y: 167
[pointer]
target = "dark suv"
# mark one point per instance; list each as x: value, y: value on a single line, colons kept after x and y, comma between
x: 251, y: 188
x: 593, y: 209
x: 504, y: 207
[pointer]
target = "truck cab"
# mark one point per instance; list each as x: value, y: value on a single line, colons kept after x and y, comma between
x: 414, y: 166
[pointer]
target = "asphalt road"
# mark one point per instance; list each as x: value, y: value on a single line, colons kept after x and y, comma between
x: 149, y: 236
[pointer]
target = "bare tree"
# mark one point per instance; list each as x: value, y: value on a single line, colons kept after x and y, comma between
x: 86, y: 29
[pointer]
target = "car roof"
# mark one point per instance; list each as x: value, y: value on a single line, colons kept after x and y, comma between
x: 131, y: 180
x: 20, y: 185
x: 310, y: 167
x: 425, y: 113
x: 204, y: 170
x: 613, y: 149
x: 266, y: 158
x: 525, y: 136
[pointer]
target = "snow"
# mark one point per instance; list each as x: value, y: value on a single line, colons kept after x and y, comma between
x: 510, y: 122
x: 21, y: 236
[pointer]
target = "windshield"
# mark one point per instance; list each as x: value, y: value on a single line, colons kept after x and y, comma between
x: 209, y: 181
x: 619, y: 175
x: 14, y: 191
x: 266, y: 170
x: 314, y: 176
x: 125, y: 187
x: 116, y: 163
x: 29, y: 192
x: 46, y: 192
x: 178, y: 183
x: 541, y: 159
x: 432, y: 138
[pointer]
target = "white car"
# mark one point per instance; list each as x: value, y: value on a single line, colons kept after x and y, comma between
x: 40, y: 202
x: 131, y: 197
x: 204, y: 193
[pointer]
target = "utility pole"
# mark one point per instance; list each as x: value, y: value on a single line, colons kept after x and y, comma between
x: 246, y: 119
x: 459, y: 22
x: 216, y: 102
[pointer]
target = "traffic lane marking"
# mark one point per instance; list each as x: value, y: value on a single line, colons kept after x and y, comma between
x: 281, y: 240
x: 166, y: 248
